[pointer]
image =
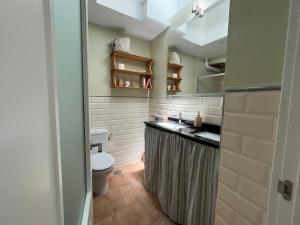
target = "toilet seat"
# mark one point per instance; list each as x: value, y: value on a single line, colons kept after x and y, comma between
x: 102, y: 161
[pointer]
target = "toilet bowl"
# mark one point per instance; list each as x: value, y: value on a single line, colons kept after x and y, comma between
x: 102, y: 165
x: 101, y: 162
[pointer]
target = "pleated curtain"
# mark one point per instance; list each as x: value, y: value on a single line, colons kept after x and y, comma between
x: 183, y: 174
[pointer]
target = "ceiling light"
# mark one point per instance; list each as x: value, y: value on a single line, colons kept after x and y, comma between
x: 198, y: 10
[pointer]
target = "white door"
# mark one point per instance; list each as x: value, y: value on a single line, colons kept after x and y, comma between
x: 287, y: 157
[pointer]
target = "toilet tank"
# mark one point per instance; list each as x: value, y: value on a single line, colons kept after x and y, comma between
x: 99, y: 140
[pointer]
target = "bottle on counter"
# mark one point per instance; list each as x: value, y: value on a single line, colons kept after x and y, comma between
x: 198, y: 120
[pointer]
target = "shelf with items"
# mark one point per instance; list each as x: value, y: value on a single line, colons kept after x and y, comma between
x: 174, y: 81
x: 143, y: 78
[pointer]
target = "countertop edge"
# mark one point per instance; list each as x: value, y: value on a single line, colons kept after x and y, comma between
x: 191, y: 137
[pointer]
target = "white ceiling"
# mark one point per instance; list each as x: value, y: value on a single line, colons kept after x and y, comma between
x: 144, y: 28
x: 210, y: 50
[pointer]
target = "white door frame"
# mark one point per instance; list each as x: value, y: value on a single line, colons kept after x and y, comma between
x: 87, y: 216
x: 287, y: 149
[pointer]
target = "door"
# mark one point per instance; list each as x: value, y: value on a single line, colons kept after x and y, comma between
x: 70, y: 57
x: 287, y: 155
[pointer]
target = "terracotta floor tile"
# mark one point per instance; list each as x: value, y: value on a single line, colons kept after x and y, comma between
x: 151, y: 207
x: 117, y: 181
x: 136, y: 177
x: 128, y: 202
x: 132, y: 214
x: 121, y: 197
x: 132, y: 168
x: 163, y: 221
x: 141, y: 191
x: 111, y: 220
x: 102, y: 208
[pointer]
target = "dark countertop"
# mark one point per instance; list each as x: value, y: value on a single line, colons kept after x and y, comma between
x: 188, y: 132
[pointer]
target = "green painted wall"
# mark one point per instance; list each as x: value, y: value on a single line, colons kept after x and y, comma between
x: 159, y: 52
x: 192, y: 68
x: 99, y: 62
x: 256, y: 41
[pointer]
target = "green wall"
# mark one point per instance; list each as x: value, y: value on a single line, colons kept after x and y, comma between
x: 99, y: 62
x: 159, y: 52
x: 192, y: 67
x: 256, y: 41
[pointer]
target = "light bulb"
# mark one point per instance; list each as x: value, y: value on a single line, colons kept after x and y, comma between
x: 194, y: 9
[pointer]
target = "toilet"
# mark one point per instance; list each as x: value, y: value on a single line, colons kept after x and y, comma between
x: 102, y: 162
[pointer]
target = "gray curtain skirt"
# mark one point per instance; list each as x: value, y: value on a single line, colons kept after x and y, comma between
x: 183, y: 174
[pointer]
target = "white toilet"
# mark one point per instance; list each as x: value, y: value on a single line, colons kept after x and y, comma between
x: 101, y: 162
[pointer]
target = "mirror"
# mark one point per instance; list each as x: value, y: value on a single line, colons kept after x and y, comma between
x: 196, y: 31
x: 198, y: 45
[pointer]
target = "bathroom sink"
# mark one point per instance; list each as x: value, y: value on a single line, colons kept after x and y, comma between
x: 208, y: 135
x: 171, y: 125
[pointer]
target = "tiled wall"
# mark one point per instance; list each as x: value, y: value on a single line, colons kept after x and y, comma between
x: 209, y: 107
x: 124, y: 117
x: 247, y: 147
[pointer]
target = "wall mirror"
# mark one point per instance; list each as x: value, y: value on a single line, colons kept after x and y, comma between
x: 197, y: 50
x: 197, y: 31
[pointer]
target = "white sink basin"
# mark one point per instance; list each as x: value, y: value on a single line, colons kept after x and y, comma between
x: 173, y: 126
x: 208, y: 135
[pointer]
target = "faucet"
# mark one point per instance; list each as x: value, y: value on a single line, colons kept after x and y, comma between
x: 180, y: 118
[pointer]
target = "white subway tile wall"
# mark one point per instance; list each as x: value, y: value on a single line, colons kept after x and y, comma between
x: 247, y: 148
x: 209, y: 107
x: 124, y: 117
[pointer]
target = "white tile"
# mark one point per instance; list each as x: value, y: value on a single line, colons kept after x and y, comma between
x: 259, y: 149
x: 228, y: 177
x: 217, y: 120
x: 241, y: 205
x: 250, y: 125
x: 220, y: 221
x: 253, y: 192
x: 263, y: 102
x: 235, y: 102
x: 232, y: 141
x: 215, y: 110
x: 225, y: 212
x: 239, y: 220
x: 246, y: 166
x: 213, y: 101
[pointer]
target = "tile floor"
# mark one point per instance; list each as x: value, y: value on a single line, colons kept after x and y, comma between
x: 128, y: 202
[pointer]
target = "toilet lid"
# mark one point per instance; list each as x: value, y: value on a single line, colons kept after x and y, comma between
x: 102, y: 161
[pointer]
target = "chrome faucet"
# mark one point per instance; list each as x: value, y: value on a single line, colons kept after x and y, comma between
x: 180, y: 118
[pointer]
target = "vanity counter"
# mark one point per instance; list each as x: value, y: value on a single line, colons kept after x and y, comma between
x: 190, y: 132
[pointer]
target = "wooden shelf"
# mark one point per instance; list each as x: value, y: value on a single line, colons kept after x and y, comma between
x: 175, y: 79
x: 130, y: 72
x: 136, y: 88
x: 148, y: 75
x: 131, y: 56
x: 174, y: 91
x: 174, y: 66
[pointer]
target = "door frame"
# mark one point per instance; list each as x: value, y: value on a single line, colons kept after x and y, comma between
x: 87, y: 217
x: 278, y: 209
x: 87, y: 214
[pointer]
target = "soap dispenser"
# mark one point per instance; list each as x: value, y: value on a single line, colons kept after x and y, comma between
x: 198, y: 120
